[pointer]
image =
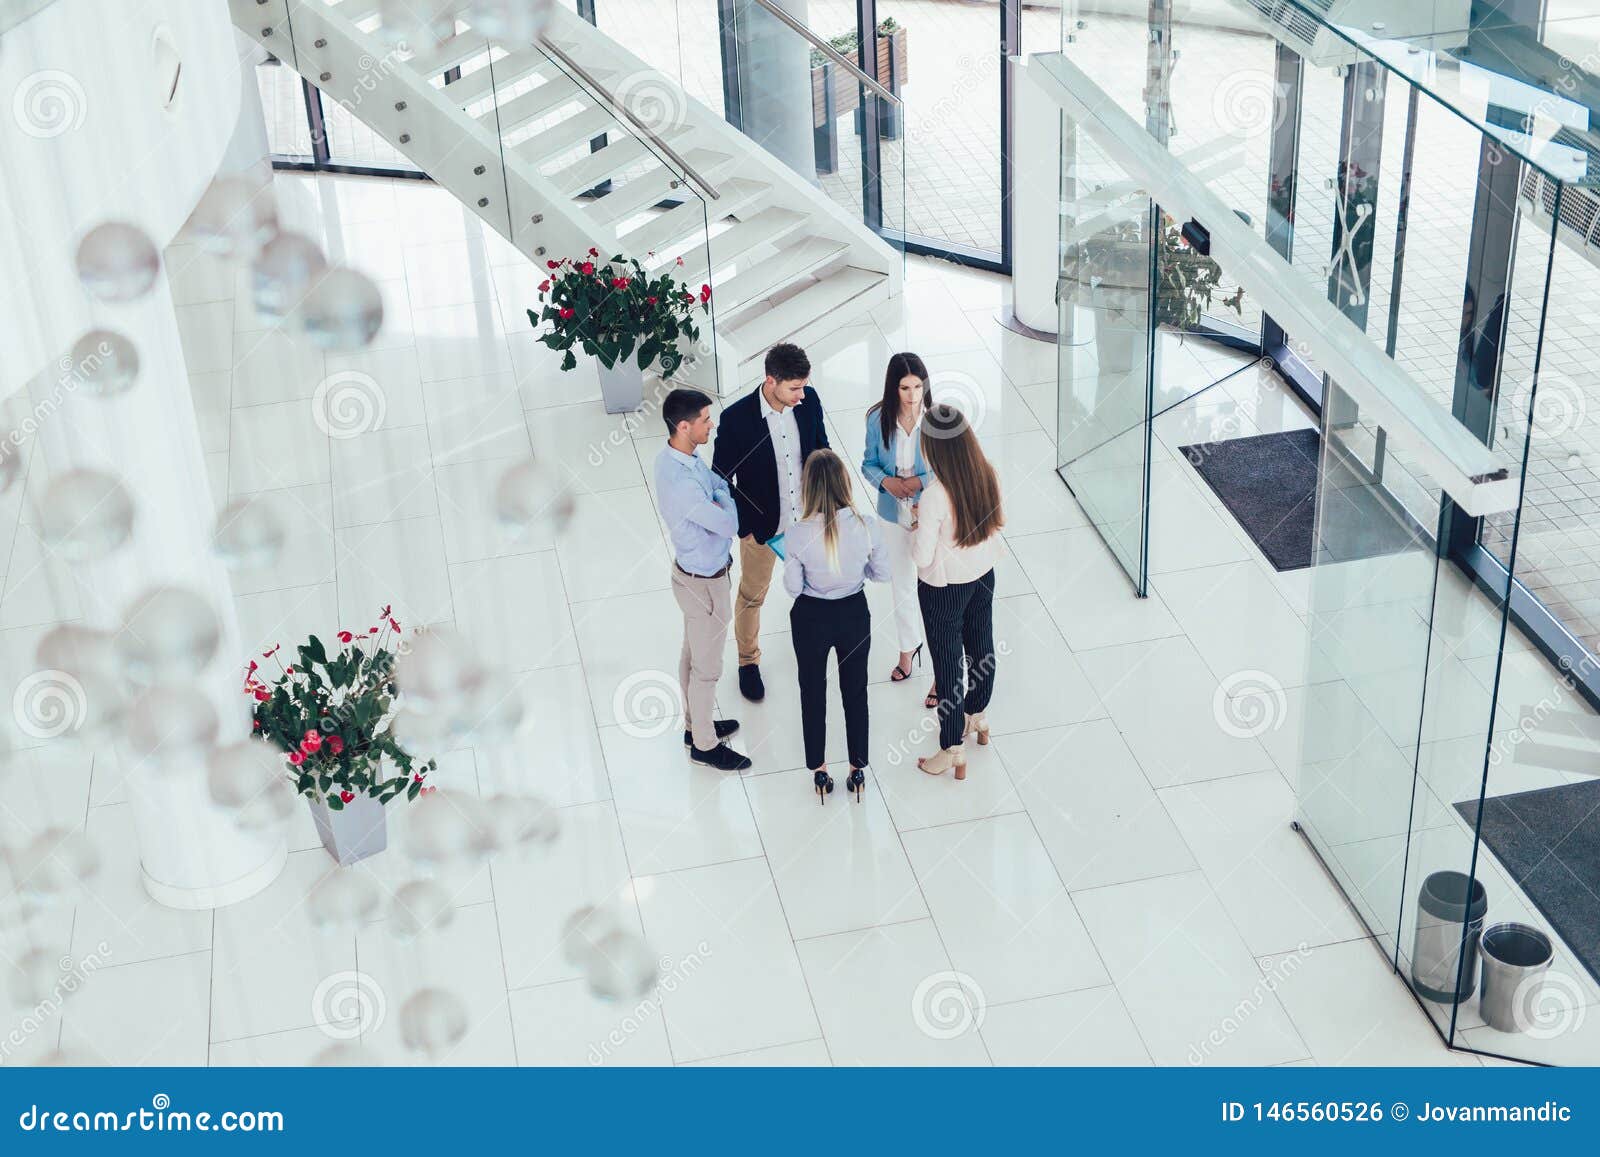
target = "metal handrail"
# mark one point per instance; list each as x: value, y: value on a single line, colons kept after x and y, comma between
x: 828, y: 50
x: 626, y: 114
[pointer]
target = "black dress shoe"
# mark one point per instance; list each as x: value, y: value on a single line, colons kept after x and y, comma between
x: 750, y: 684
x: 722, y: 757
x: 725, y: 728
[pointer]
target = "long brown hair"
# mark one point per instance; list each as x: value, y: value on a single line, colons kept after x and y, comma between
x: 888, y: 409
x: 825, y: 490
x: 957, y: 461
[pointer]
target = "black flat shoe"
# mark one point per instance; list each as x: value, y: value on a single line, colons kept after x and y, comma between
x: 725, y: 728
x: 722, y: 757
x: 750, y: 684
x: 823, y: 782
x: 856, y: 781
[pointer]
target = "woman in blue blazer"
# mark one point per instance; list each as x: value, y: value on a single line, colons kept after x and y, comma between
x: 893, y: 467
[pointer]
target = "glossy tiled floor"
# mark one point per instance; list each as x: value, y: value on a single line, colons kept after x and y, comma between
x: 1112, y: 883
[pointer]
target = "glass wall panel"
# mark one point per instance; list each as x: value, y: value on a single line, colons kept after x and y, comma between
x: 1108, y: 250
x: 283, y: 103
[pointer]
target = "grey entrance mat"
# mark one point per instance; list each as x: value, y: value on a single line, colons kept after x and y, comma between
x: 1549, y: 841
x: 1269, y: 483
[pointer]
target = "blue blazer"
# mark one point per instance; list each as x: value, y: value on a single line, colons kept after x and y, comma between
x: 877, y: 463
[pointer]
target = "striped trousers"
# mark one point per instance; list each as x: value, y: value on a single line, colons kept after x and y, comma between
x: 959, y: 622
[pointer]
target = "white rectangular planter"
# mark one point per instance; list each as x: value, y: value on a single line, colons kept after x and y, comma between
x: 354, y: 832
x: 622, y: 386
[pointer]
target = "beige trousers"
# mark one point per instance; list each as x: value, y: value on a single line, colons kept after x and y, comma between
x: 755, y: 576
x: 707, y: 608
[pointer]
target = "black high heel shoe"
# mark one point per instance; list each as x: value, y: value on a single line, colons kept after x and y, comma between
x: 823, y: 782
x: 900, y: 674
x: 856, y: 781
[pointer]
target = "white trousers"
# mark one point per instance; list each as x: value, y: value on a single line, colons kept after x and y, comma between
x: 903, y: 580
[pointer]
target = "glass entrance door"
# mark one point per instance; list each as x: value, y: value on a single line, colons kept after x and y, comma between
x: 1108, y: 230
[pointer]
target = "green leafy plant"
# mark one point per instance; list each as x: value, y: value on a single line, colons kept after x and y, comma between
x: 845, y: 43
x: 1187, y: 281
x: 329, y: 715
x: 615, y: 311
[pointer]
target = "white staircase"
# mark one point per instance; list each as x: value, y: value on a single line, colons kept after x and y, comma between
x: 512, y: 136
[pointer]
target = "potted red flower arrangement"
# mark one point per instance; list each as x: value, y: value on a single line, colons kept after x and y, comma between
x: 330, y: 715
x: 622, y: 317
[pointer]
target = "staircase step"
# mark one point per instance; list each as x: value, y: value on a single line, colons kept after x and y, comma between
x: 508, y: 116
x: 453, y: 53
x: 758, y: 229
x: 564, y: 134
x: 762, y: 279
x: 790, y: 316
x: 510, y: 70
x: 645, y: 189
x: 660, y: 232
x: 585, y: 173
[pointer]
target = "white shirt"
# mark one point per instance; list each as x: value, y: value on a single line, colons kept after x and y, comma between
x: 785, y: 433
x: 905, y: 449
x: 940, y: 562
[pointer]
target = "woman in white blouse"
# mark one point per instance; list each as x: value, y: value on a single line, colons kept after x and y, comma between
x: 955, y: 544
x: 829, y: 554
x: 893, y: 467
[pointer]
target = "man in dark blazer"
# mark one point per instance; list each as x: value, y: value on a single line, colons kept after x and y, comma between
x: 762, y: 444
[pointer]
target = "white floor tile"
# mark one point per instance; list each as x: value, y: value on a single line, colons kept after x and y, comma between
x: 1092, y: 806
x: 398, y: 564
x: 1278, y: 896
x: 382, y: 476
x: 804, y: 1054
x: 475, y: 418
x: 1190, y: 985
x: 516, y: 610
x: 614, y: 546
x: 747, y: 990
x: 1167, y: 703
x: 1001, y: 909
x: 838, y: 868
x: 144, y: 1015
x: 674, y: 813
x: 1086, y: 591
x: 274, y: 446
x: 1086, y: 1028
x: 887, y: 996
x: 566, y: 1024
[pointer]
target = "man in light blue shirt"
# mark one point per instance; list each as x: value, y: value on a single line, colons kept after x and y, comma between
x: 702, y: 521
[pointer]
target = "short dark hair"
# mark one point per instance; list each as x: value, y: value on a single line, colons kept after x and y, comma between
x: 683, y: 405
x: 787, y: 363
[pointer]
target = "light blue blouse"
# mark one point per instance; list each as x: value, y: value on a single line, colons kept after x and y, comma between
x: 862, y: 556
x: 877, y: 463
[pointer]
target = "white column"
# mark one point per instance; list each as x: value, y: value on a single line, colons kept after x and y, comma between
x: 1035, y: 202
x: 116, y: 146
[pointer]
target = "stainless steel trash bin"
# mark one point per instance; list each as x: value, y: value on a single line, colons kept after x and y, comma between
x: 1515, y: 959
x: 1444, y: 963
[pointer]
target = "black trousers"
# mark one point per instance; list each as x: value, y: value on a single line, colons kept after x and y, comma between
x: 959, y: 622
x: 819, y: 626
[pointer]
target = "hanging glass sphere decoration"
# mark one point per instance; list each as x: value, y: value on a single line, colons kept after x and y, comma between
x: 583, y: 931
x: 432, y: 1021
x: 436, y: 831
x: 104, y: 363
x: 249, y: 533
x: 343, y: 311
x: 345, y: 1054
x: 77, y: 650
x: 55, y: 862
x: 514, y: 21
x: 622, y: 967
x: 531, y: 503
x: 525, y: 821
x: 168, y: 631
x: 38, y: 976
x: 117, y: 262
x: 86, y: 515
x: 283, y: 273
x: 343, y: 900
x: 234, y: 219
x: 249, y: 780
x: 420, y: 907
x: 439, y: 672
x: 10, y: 465
x: 173, y: 726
